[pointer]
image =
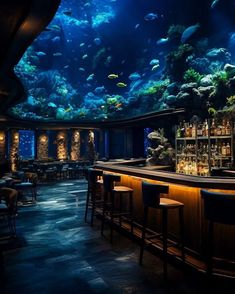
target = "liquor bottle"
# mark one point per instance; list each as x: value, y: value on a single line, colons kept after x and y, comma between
x: 199, y: 130
x: 194, y: 130
x: 206, y: 128
x: 203, y: 129
x: 194, y: 167
x: 183, y: 129
x: 219, y: 130
x: 224, y: 150
x: 187, y: 130
x: 213, y: 128
x: 223, y: 131
x: 228, y: 149
x: 228, y: 129
x: 178, y: 131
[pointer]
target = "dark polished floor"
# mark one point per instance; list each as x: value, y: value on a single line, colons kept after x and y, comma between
x: 57, y: 252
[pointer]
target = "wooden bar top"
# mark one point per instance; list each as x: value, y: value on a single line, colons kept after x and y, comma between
x: 223, y: 183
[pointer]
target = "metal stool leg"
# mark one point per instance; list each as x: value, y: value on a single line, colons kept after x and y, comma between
x: 143, y: 235
x: 164, y: 233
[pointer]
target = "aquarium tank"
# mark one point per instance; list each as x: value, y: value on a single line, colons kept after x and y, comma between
x: 26, y: 144
x: 104, y: 60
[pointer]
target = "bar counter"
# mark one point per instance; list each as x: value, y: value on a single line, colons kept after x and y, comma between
x: 185, y: 189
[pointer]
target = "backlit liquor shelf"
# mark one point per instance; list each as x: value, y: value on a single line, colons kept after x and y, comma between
x: 203, y: 148
x: 186, y: 189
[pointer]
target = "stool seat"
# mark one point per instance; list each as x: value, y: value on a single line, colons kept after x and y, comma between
x: 169, y: 203
x: 122, y: 189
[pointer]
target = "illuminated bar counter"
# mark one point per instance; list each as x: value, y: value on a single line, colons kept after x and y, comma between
x: 185, y: 189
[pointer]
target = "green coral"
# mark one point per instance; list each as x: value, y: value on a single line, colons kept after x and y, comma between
x: 156, y: 89
x: 192, y: 76
x: 62, y: 90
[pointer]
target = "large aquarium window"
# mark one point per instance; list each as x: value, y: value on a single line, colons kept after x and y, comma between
x: 114, y: 59
x: 26, y: 144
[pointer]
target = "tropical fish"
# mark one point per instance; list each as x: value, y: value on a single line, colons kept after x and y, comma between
x: 99, y: 90
x: 67, y: 12
x: 214, y: 4
x: 84, y: 56
x: 151, y: 16
x: 155, y: 67
x: 82, y: 44
x: 57, y: 54
x: 81, y: 69
x: 68, y: 109
x: 54, y: 27
x: 40, y: 53
x: 55, y: 39
x: 188, y: 32
x: 51, y: 104
x: 137, y: 26
x: 121, y: 85
x: 90, y: 77
x: 118, y: 105
x: 112, y: 76
x: 97, y: 41
x: 66, y: 66
x: 154, y: 62
x: 134, y: 76
x: 162, y: 41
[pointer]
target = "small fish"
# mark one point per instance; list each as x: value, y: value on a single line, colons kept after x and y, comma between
x: 214, y: 3
x: 57, y: 54
x: 151, y: 16
x: 55, y: 39
x: 155, y: 67
x: 97, y: 41
x: 162, y: 41
x: 81, y: 69
x: 51, y: 104
x: 121, y: 85
x: 137, y: 26
x: 99, y: 90
x: 90, y: 77
x: 188, y: 32
x: 112, y: 76
x: 67, y: 12
x: 134, y: 76
x: 82, y: 45
x: 84, y: 56
x: 68, y: 109
x: 118, y: 105
x: 66, y: 66
x: 54, y: 27
x: 40, y: 53
x: 154, y: 62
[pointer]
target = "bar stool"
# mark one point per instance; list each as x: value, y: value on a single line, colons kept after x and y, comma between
x: 111, y: 196
x: 93, y: 191
x: 218, y: 208
x: 151, y: 199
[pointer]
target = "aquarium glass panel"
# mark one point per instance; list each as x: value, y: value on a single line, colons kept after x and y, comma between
x: 27, y: 144
x: 104, y: 60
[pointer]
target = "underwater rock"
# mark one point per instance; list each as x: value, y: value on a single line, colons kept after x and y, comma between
x: 171, y: 99
x: 221, y: 54
x: 173, y: 88
x: 199, y: 64
x: 206, y: 81
x: 182, y: 97
x: 229, y: 69
x: 60, y: 113
x: 188, y: 87
x: 206, y: 90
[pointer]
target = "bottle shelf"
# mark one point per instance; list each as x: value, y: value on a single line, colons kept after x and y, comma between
x: 202, y: 138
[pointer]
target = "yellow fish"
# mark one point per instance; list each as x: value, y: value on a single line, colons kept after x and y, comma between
x: 155, y: 67
x: 68, y: 110
x: 121, y: 85
x: 112, y: 76
x: 118, y: 105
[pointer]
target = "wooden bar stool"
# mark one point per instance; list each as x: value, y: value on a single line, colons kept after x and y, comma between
x: 113, y: 195
x: 93, y: 192
x: 151, y: 199
x: 218, y: 208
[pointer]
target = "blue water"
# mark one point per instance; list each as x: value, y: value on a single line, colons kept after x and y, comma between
x: 114, y: 59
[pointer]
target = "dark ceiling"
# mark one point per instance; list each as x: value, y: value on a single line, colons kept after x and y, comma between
x: 20, y: 21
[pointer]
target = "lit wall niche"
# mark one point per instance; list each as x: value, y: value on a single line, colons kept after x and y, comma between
x: 61, y: 141
x: 2, y: 146
x: 91, y: 154
x: 14, y: 149
x: 42, y: 146
x: 75, y: 145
